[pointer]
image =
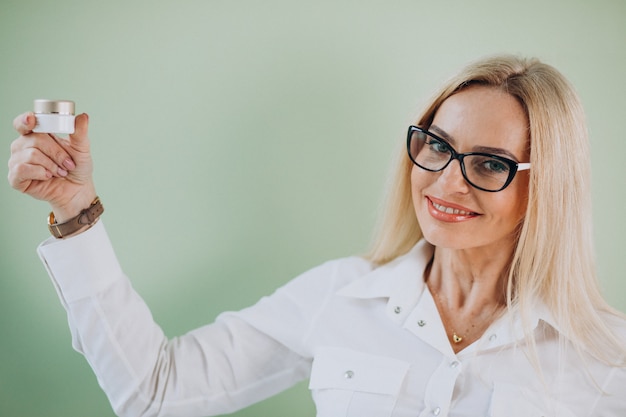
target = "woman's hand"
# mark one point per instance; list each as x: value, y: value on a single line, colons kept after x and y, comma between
x: 51, y: 168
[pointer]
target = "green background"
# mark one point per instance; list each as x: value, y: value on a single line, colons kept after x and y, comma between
x: 239, y: 143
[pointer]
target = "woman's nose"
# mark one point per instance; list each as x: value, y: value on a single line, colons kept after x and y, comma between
x: 452, y: 178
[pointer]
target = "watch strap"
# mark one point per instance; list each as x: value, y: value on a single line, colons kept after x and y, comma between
x: 86, y: 217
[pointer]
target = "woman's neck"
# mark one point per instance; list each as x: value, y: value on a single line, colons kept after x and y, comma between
x: 464, y: 278
x: 469, y: 291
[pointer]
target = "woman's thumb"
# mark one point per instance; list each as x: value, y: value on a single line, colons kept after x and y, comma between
x: 80, y: 138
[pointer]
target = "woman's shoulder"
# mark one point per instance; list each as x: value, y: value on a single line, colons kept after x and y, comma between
x: 338, y: 274
x: 331, y: 275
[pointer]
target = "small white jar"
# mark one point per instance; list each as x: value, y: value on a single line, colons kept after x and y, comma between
x: 54, y: 116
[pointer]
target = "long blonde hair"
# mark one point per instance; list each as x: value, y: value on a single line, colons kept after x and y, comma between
x: 554, y: 257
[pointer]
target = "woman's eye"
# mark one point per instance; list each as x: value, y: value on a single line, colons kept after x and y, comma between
x: 437, y: 146
x: 495, y: 166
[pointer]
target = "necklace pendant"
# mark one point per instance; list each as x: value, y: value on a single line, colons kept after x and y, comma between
x: 456, y: 338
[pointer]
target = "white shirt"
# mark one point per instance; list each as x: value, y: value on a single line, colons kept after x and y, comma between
x: 370, y: 340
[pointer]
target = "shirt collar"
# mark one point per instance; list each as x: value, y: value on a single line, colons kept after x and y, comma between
x: 513, y: 326
x: 401, y: 281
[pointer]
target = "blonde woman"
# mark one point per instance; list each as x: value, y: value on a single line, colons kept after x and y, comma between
x: 478, y: 298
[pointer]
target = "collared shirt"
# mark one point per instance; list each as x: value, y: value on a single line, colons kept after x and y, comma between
x: 370, y: 340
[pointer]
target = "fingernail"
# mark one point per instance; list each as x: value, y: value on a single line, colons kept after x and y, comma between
x: 69, y: 164
x: 62, y: 172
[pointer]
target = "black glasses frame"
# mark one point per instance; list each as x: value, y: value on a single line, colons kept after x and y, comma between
x: 513, y: 165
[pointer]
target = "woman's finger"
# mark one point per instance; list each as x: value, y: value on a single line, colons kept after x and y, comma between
x: 31, y: 164
x: 46, y: 145
x: 25, y: 123
x: 21, y: 176
x: 34, y: 156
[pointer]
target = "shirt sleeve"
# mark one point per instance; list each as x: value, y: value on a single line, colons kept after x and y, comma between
x: 215, y: 369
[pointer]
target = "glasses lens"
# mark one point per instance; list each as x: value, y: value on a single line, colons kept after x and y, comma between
x: 428, y: 152
x: 487, y: 171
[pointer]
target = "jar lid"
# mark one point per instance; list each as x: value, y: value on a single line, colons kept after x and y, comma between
x: 54, y: 106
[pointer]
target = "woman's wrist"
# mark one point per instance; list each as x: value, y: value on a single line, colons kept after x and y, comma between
x: 85, y: 219
x: 71, y: 209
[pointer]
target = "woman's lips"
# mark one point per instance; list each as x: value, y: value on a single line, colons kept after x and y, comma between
x: 448, y: 212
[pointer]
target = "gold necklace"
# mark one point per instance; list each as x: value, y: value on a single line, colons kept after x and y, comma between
x: 456, y: 338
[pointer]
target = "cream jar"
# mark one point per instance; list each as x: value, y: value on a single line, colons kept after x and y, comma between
x: 54, y: 116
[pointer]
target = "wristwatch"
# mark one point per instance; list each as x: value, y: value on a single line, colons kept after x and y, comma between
x: 86, y: 217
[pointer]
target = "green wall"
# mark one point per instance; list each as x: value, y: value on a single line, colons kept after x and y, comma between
x: 239, y: 143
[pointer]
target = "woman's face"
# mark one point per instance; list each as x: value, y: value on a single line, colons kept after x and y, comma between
x: 452, y: 213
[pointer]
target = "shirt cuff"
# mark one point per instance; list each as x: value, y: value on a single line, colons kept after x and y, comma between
x: 83, y: 265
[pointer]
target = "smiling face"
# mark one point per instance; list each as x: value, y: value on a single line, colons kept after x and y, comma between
x: 453, y: 214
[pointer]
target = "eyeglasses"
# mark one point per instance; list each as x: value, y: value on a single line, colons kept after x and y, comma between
x: 484, y: 171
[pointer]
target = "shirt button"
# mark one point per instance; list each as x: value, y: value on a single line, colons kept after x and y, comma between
x: 437, y: 411
x: 349, y: 375
x: 454, y: 364
x: 421, y: 323
x: 397, y: 310
x: 493, y: 337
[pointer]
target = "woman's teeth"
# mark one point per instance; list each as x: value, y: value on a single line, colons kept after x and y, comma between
x: 451, y: 210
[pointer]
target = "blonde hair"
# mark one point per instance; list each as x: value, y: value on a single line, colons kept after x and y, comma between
x: 554, y: 258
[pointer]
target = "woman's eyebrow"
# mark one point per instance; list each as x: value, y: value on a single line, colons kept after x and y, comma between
x: 442, y: 133
x: 483, y: 149
x: 496, y: 151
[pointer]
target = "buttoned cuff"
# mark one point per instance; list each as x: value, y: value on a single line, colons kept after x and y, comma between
x: 81, y: 266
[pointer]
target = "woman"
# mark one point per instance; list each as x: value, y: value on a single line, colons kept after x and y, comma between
x: 479, y: 297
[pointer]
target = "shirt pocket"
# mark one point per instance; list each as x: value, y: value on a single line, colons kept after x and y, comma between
x: 349, y: 383
x: 510, y: 400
